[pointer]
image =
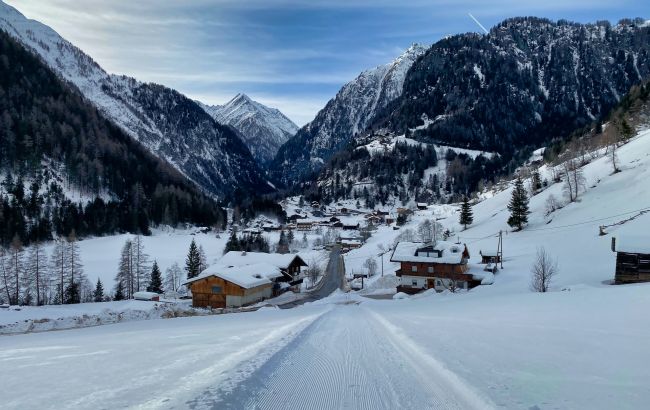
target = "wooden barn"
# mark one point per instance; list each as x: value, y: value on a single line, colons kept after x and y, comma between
x: 632, y: 259
x: 441, y: 266
x: 221, y: 287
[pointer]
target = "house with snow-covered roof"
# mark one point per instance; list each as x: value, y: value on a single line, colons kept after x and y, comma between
x: 438, y: 266
x: 632, y: 259
x: 240, y: 278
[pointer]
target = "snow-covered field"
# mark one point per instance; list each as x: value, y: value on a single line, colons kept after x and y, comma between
x: 581, y: 345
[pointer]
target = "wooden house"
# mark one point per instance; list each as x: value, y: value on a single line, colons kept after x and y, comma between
x: 440, y: 266
x: 304, y: 225
x: 490, y: 256
x: 422, y: 206
x: 632, y: 259
x: 241, y: 278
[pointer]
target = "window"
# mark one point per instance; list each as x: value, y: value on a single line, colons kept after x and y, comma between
x: 216, y: 289
x: 414, y: 268
x: 438, y: 282
x: 430, y: 269
x: 460, y: 284
x: 414, y: 282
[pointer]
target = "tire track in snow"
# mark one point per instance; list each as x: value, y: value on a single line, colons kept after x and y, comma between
x: 347, y: 359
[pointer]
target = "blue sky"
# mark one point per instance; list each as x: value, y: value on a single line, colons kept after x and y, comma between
x: 290, y: 54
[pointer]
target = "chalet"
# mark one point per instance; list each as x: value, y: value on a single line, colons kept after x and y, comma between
x: 252, y: 231
x: 404, y: 211
x: 632, y: 259
x: 422, y: 206
x: 490, y: 256
x: 315, y: 205
x: 334, y: 219
x: 349, y: 244
x: 440, y: 266
x: 389, y: 220
x: 241, y: 278
x: 270, y: 227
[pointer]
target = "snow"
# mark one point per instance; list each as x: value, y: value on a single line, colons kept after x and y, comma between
x: 246, y: 276
x: 633, y: 244
x: 145, y: 295
x: 581, y: 345
x: 406, y: 252
x: 236, y: 258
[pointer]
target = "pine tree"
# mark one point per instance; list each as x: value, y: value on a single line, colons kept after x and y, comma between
x: 466, y: 215
x: 155, y: 281
x: 536, y: 181
x: 193, y: 261
x: 233, y: 243
x: 72, y: 294
x: 98, y: 295
x: 283, y: 245
x: 119, y: 291
x: 518, y: 206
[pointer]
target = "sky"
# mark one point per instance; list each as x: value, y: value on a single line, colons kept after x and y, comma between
x: 289, y: 54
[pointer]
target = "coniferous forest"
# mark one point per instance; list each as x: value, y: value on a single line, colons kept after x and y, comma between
x: 52, y: 142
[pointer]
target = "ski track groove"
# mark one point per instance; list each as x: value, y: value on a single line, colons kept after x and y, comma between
x: 346, y: 359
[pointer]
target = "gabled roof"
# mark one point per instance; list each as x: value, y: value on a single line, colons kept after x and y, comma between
x: 633, y: 244
x: 451, y: 253
x: 238, y: 258
x: 246, y: 276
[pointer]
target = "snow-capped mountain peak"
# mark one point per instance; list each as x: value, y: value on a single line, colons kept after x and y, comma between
x: 263, y: 129
x: 347, y: 114
x: 162, y: 119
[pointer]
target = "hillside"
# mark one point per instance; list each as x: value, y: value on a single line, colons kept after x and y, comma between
x: 263, y: 129
x: 55, y: 144
x: 344, y: 116
x: 166, y: 122
x: 529, y: 80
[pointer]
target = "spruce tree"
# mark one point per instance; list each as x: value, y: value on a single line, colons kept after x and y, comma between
x: 155, y: 282
x: 193, y: 261
x: 536, y: 181
x: 98, y: 295
x: 119, y: 291
x: 518, y: 206
x: 72, y: 294
x: 283, y: 245
x: 466, y: 215
x: 233, y: 243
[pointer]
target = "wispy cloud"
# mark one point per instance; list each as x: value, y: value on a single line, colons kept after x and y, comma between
x: 294, y: 54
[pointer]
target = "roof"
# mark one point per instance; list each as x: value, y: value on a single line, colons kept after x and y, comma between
x: 246, y: 276
x: 489, y: 252
x: 145, y: 295
x: 633, y: 244
x: 452, y: 253
x: 238, y: 258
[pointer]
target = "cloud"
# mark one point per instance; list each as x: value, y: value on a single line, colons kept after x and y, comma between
x: 294, y: 52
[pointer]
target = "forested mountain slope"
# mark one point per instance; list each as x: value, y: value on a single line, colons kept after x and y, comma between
x: 169, y: 124
x: 53, y: 141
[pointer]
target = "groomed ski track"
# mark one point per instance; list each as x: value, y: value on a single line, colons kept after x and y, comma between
x: 350, y: 358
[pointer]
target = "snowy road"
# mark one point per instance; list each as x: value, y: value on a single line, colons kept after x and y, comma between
x: 349, y: 359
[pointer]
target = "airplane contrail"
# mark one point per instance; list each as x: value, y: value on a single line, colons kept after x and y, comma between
x: 478, y: 22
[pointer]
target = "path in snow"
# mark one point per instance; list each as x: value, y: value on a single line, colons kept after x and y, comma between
x: 347, y: 359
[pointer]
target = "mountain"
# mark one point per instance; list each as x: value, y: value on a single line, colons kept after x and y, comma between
x: 526, y: 82
x: 169, y: 124
x: 64, y: 168
x: 344, y: 116
x: 263, y: 129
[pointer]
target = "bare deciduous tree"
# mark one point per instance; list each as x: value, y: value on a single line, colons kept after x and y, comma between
x: 543, y: 271
x: 552, y: 205
x: 371, y: 265
x: 314, y: 271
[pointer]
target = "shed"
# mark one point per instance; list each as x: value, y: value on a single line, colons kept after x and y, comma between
x: 490, y: 256
x: 632, y: 259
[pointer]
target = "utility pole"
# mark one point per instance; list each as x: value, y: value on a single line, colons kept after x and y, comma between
x: 500, y: 248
